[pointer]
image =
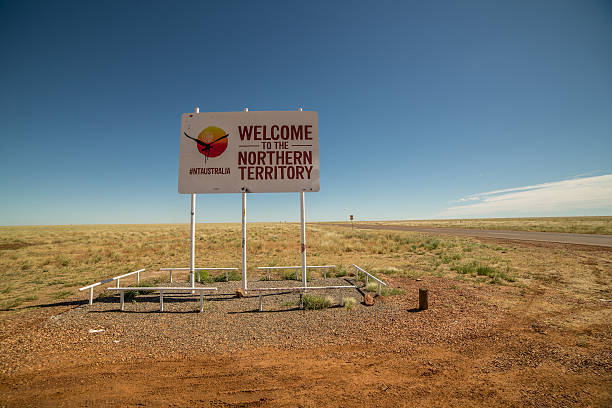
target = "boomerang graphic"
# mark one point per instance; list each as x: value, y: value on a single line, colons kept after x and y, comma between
x: 207, y: 146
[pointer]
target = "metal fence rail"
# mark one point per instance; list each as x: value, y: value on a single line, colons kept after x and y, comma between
x: 297, y: 269
x: 368, y: 275
x: 116, y: 278
x: 161, y: 294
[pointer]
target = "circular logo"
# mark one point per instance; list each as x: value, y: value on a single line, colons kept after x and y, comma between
x: 213, y: 141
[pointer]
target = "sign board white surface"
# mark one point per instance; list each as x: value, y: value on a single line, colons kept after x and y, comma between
x: 253, y: 152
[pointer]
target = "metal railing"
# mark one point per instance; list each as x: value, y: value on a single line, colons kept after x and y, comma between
x: 198, y: 271
x: 116, y: 278
x: 368, y: 275
x: 297, y: 269
x: 161, y: 294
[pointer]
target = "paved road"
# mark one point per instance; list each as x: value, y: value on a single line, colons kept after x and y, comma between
x: 565, y: 238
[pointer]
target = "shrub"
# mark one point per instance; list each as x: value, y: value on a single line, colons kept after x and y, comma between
x: 289, y: 274
x: 349, y: 302
x: 372, y: 287
x: 234, y: 276
x: 341, y: 271
x: 206, y: 278
x: 316, y: 302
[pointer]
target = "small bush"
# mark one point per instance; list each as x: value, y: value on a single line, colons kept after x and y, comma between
x: 372, y: 287
x: 234, y: 275
x: 206, y: 278
x: 341, y: 271
x: 349, y: 303
x: 316, y: 302
x: 289, y: 274
x: 485, y: 270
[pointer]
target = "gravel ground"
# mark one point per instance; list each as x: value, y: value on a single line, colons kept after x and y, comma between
x: 228, y: 324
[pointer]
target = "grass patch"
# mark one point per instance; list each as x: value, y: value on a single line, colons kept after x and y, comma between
x: 476, y: 269
x: 349, y: 303
x: 372, y: 287
x: 316, y: 302
x: 62, y: 294
x: 392, y: 292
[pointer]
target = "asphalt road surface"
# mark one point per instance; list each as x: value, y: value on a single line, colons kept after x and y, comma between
x: 561, y: 237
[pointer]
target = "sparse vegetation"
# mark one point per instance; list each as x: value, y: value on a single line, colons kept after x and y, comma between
x: 316, y: 302
x: 349, y: 302
x: 40, y: 261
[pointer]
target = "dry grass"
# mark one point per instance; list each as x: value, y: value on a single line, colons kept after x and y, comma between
x: 582, y: 225
x: 47, y: 264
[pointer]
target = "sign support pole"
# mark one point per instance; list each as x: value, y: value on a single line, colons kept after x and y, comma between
x: 192, y: 257
x: 303, y: 247
x: 303, y: 220
x: 244, y: 261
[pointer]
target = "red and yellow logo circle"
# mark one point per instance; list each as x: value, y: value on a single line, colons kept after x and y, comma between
x: 212, y: 141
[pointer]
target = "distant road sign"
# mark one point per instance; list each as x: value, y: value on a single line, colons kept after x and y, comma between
x: 351, y: 217
x: 254, y: 152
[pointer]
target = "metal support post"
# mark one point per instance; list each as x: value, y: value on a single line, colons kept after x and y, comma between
x: 91, y: 295
x: 161, y: 300
x: 192, y: 258
x: 121, y: 299
x: 303, y: 221
x: 244, y: 261
x: 201, y: 301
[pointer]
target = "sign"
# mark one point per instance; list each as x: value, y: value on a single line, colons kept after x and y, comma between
x: 351, y: 217
x: 253, y: 152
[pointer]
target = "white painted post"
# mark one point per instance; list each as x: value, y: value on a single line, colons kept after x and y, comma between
x: 91, y: 295
x: 244, y: 261
x: 192, y: 259
x: 303, y: 220
x: 260, y: 302
x: 138, y: 277
x: 161, y: 300
x: 378, y: 288
x: 201, y: 301
x: 324, y: 273
x: 121, y: 299
x: 268, y: 273
x: 118, y: 282
x: 170, y: 275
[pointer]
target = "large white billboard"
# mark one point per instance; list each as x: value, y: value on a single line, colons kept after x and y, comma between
x: 253, y: 152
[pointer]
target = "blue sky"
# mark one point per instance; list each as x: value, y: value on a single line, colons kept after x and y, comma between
x: 423, y: 106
